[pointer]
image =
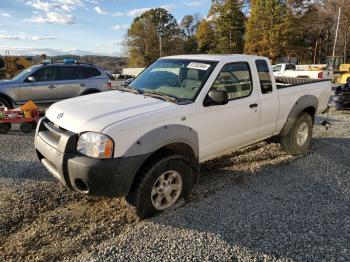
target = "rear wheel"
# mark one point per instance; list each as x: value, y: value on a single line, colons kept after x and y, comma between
x: 4, y: 128
x: 298, y: 140
x: 161, y: 185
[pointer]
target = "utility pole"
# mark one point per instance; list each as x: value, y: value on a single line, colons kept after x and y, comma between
x: 336, y: 32
x: 230, y: 41
x: 160, y: 31
x: 316, y: 49
x: 160, y: 45
x: 345, y: 45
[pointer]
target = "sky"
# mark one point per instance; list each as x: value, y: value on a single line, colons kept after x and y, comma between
x: 82, y: 27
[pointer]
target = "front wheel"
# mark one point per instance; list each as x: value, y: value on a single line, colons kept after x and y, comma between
x: 298, y: 140
x: 27, y: 127
x: 162, y: 185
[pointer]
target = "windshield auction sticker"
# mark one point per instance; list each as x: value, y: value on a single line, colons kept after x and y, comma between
x: 199, y: 66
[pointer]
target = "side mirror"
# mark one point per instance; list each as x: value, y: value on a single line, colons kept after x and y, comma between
x: 31, y: 79
x: 216, y: 97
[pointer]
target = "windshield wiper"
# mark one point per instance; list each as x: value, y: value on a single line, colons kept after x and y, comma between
x: 129, y: 89
x: 162, y: 96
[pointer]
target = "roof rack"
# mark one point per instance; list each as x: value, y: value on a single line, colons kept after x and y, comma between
x: 47, y: 61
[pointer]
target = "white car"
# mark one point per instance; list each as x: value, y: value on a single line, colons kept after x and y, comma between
x: 290, y: 70
x: 146, y: 141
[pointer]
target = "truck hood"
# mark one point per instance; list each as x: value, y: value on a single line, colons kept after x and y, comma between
x: 95, y: 112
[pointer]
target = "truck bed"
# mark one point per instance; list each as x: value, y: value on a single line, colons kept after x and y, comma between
x: 284, y: 82
x: 290, y: 89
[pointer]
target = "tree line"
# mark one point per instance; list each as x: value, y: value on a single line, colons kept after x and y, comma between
x: 283, y: 30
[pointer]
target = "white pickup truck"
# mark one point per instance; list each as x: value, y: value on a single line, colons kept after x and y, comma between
x: 290, y: 70
x: 145, y: 141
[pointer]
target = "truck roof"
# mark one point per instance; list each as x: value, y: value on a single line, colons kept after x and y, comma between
x: 215, y: 57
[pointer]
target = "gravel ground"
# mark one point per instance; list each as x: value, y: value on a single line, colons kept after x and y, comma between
x: 255, y: 204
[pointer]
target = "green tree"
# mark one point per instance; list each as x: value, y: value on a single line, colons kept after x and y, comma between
x: 153, y: 34
x: 269, y: 29
x: 223, y: 30
x: 189, y: 26
x: 205, y: 36
x: 228, y: 20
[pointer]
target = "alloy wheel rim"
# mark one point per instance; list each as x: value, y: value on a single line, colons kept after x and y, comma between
x: 302, y: 134
x: 166, y: 190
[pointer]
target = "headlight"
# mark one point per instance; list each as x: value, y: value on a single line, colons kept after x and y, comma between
x: 95, y: 145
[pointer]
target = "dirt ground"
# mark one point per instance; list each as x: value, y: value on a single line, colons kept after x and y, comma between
x: 41, y: 220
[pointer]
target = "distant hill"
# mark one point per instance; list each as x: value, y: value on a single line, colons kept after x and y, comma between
x: 109, y: 63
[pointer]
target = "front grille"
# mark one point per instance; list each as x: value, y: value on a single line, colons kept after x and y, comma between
x: 49, y: 133
x: 57, y: 137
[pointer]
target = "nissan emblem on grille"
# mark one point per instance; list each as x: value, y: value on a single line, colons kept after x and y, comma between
x: 60, y: 115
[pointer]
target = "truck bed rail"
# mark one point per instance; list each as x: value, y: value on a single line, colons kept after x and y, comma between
x: 283, y: 82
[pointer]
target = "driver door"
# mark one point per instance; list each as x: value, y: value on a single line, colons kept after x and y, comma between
x: 225, y: 127
x: 43, y: 89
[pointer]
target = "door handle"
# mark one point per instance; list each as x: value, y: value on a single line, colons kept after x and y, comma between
x: 51, y: 87
x: 253, y: 105
x: 82, y: 85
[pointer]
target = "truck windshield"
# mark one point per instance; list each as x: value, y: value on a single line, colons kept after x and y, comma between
x: 178, y: 78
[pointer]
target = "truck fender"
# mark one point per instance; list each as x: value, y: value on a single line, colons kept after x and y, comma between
x: 148, y: 144
x: 163, y: 136
x: 304, y: 102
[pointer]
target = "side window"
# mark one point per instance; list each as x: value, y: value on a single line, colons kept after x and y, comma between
x: 47, y: 73
x: 264, y: 76
x: 290, y: 67
x: 90, y: 72
x: 68, y: 73
x: 276, y: 68
x: 235, y: 79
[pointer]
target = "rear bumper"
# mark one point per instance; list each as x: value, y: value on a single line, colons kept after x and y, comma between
x: 99, y: 177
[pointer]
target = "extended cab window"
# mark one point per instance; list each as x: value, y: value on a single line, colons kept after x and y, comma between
x: 235, y: 79
x: 47, y: 73
x: 264, y: 76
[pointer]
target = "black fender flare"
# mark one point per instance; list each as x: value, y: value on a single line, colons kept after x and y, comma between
x: 163, y: 136
x: 144, y: 147
x: 304, y: 102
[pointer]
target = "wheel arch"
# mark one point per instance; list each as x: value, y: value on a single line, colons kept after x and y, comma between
x: 90, y: 91
x: 307, y: 104
x: 7, y: 98
x: 174, y: 139
x: 177, y: 148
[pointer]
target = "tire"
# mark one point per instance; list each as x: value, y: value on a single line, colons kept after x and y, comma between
x: 34, y: 124
x: 149, y: 196
x: 298, y: 140
x: 90, y: 92
x: 4, y: 128
x: 26, y: 127
x: 4, y: 103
